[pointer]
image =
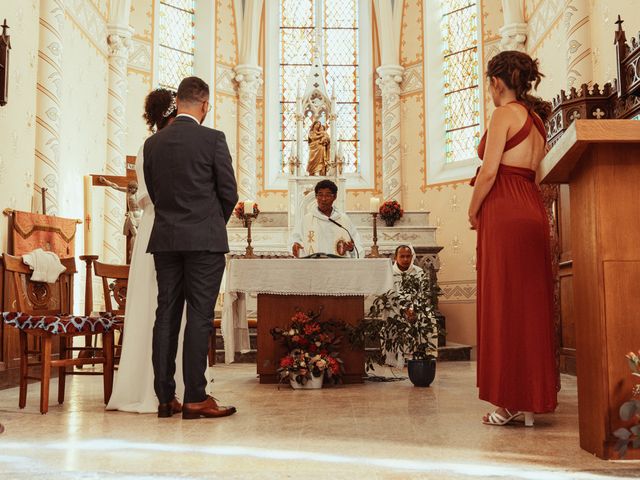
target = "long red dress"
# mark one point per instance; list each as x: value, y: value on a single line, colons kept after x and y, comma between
x: 516, y: 340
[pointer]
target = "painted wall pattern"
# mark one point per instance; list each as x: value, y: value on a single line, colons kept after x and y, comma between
x: 91, y: 19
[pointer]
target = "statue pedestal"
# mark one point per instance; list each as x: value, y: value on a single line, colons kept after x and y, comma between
x: 302, y: 196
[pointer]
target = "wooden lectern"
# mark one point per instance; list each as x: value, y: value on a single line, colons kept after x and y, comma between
x: 600, y: 160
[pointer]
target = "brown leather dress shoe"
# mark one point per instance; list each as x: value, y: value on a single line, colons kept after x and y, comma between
x: 165, y: 410
x: 207, y: 409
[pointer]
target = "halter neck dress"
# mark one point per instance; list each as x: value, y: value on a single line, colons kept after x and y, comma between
x: 516, y: 335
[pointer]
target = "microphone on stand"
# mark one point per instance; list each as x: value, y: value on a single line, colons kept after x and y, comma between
x: 348, y: 233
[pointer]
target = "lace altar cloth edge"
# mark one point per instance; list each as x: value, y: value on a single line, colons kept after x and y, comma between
x: 323, y: 277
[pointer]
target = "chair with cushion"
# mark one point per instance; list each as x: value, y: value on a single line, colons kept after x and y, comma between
x: 115, y: 279
x: 43, y: 312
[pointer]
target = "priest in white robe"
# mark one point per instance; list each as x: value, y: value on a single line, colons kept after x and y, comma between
x: 325, y: 230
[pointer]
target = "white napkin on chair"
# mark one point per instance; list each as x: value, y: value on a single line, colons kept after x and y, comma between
x: 46, y: 266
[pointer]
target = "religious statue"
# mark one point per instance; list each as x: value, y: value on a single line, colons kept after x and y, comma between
x: 134, y: 212
x: 319, y: 143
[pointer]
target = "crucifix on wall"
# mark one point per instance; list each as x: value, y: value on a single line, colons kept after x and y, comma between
x: 127, y: 184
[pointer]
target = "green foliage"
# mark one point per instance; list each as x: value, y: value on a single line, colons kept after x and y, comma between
x: 630, y: 411
x: 402, y: 320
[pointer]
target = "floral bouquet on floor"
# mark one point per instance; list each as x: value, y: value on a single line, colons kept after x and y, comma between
x: 312, y: 347
x: 390, y: 211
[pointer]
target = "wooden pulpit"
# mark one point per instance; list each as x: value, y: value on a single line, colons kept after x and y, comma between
x: 600, y: 160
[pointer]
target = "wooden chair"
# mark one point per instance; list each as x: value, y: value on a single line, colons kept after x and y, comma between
x: 43, y: 312
x: 115, y: 279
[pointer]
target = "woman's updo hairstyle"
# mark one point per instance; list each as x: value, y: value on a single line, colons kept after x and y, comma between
x: 159, y: 108
x: 520, y: 73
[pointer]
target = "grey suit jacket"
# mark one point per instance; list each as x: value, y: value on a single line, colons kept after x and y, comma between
x: 190, y: 178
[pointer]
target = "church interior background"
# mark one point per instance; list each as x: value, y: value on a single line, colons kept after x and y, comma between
x: 79, y: 77
x: 405, y: 78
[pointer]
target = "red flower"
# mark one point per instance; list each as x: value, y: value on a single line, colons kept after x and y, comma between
x: 310, y: 328
x: 313, y: 348
x: 286, y: 362
x: 300, y: 317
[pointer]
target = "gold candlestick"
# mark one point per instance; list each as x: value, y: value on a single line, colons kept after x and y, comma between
x: 248, y: 218
x: 375, y: 253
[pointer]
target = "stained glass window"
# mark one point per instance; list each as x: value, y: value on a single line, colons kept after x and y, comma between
x: 338, y: 20
x: 176, y: 41
x: 462, y: 93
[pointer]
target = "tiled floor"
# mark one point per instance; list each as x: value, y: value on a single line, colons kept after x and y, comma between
x: 373, y: 431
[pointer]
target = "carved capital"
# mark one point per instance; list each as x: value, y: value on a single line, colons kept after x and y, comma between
x: 249, y: 79
x: 514, y: 37
x: 389, y: 79
x: 119, y: 45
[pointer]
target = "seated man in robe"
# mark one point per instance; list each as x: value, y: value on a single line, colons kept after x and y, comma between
x: 403, y: 260
x: 324, y: 229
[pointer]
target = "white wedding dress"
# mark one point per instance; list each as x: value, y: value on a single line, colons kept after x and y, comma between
x: 133, y: 384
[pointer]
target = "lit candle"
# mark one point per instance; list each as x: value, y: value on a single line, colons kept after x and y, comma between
x: 88, y: 227
x: 248, y: 207
x: 374, y: 204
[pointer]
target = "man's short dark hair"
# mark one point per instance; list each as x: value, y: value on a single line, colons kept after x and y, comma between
x: 193, y: 90
x: 399, y: 247
x: 328, y: 184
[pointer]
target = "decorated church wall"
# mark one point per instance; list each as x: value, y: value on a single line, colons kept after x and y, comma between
x: 225, y: 100
x: 17, y: 117
x: 139, y: 72
x: 83, y: 133
x: 603, y: 17
x: 81, y: 95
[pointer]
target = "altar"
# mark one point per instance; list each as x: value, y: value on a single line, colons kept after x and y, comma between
x: 338, y: 286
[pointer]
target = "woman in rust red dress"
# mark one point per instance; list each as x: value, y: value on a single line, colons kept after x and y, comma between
x: 516, y: 349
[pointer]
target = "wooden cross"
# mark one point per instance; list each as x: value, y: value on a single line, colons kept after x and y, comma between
x: 121, y: 181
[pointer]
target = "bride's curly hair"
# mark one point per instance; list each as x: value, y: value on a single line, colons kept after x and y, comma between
x: 520, y: 73
x: 159, y: 108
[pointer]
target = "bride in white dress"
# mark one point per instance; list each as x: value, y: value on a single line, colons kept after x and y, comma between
x: 133, y: 385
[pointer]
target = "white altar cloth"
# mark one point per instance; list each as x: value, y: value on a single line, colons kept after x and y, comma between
x: 286, y: 276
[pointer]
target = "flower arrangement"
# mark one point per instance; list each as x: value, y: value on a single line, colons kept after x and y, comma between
x: 630, y: 411
x: 312, y: 348
x: 239, y: 210
x: 390, y: 211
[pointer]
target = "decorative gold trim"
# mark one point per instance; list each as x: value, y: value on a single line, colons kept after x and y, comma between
x: 93, y: 42
x: 545, y: 36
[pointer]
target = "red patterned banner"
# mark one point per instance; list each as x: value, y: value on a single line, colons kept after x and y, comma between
x: 34, y: 230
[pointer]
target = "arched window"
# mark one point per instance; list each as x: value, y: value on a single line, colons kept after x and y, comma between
x: 453, y: 88
x: 338, y: 20
x: 460, y: 71
x: 176, y: 41
x: 345, y: 52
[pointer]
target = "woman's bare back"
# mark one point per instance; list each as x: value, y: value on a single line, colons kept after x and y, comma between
x: 530, y: 152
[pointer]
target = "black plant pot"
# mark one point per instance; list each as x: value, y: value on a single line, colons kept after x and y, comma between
x: 422, y: 372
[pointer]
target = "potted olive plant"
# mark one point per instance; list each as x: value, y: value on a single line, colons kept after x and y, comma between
x: 404, y: 320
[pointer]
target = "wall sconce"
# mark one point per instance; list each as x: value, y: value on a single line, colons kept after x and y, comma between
x: 5, y: 46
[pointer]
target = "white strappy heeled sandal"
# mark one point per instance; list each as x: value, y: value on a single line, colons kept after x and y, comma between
x: 497, y: 419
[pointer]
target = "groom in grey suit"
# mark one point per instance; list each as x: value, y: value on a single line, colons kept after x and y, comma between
x: 190, y: 178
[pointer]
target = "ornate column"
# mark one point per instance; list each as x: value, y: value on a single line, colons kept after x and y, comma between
x: 514, y: 30
x: 249, y: 78
x: 49, y: 90
x: 390, y: 77
x: 119, y: 41
x: 578, y: 41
